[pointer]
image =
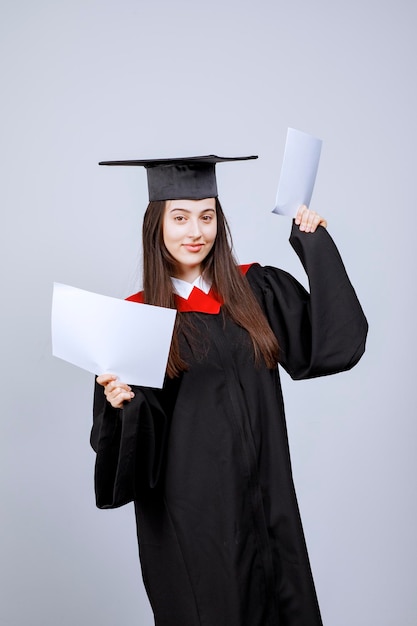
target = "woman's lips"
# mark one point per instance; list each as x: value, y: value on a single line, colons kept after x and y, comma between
x: 193, y: 247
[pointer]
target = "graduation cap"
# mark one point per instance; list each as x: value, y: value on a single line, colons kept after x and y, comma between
x: 183, y: 178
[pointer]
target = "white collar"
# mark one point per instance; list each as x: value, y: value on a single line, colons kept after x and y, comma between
x: 183, y: 288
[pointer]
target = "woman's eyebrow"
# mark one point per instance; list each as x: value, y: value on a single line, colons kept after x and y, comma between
x: 178, y: 208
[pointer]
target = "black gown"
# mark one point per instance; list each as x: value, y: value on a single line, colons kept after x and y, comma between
x: 206, y: 458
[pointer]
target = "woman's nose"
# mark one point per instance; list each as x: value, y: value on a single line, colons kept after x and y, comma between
x: 194, y: 230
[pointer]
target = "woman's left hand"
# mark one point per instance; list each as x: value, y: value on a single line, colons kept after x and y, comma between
x: 308, y: 220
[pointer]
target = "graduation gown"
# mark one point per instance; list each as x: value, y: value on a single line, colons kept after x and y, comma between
x: 206, y: 458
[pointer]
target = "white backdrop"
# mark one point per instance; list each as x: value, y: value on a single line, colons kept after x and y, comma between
x: 90, y: 80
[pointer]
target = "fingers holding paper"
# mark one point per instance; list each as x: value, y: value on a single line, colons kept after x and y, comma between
x: 116, y: 392
x: 308, y: 220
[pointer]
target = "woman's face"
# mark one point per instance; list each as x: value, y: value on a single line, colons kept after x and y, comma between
x: 189, y: 230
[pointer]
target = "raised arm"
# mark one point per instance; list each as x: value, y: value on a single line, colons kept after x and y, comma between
x: 321, y: 332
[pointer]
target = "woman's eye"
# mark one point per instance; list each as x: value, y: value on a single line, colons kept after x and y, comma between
x: 207, y: 218
x: 179, y: 218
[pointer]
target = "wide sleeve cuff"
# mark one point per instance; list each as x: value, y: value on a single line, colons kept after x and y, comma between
x: 130, y: 445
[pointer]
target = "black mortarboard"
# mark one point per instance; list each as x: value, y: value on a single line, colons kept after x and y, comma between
x: 187, y: 178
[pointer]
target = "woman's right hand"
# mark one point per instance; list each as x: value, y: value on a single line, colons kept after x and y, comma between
x: 116, y: 392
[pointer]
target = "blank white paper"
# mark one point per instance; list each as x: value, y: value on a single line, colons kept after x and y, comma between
x: 107, y: 335
x: 298, y: 172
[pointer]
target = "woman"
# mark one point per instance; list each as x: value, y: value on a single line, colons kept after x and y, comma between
x: 206, y: 458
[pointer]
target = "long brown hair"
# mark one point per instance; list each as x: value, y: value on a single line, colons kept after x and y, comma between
x: 220, y: 265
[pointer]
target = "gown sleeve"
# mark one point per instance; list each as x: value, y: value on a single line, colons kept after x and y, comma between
x: 321, y: 332
x: 129, y: 444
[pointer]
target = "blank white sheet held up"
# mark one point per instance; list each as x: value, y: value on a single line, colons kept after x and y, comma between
x: 298, y: 172
x: 102, y: 334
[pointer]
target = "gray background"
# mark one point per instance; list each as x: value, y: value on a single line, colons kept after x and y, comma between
x: 85, y: 80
